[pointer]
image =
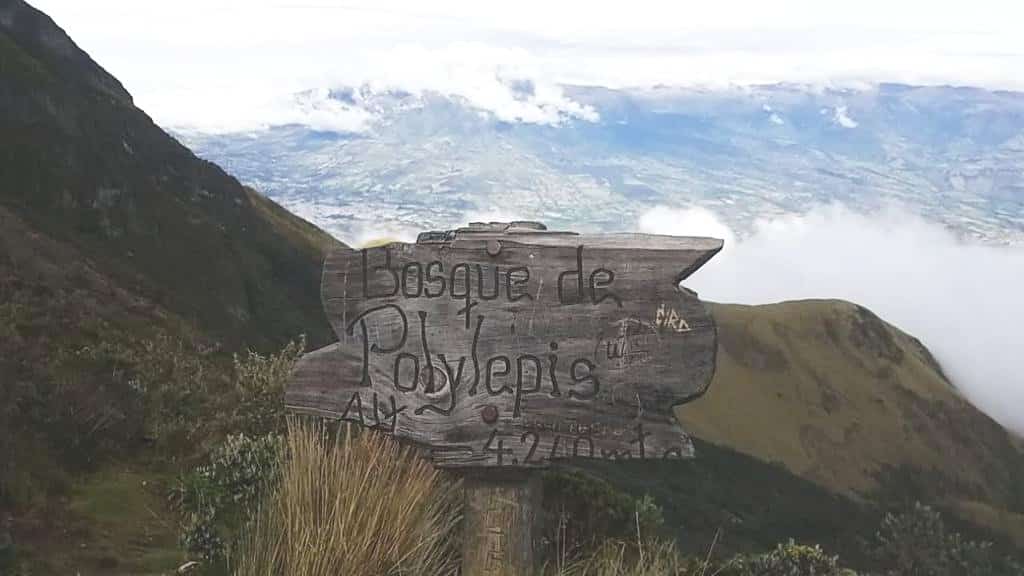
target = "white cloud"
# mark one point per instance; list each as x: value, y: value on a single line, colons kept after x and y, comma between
x: 239, y: 110
x: 490, y: 216
x: 503, y: 81
x: 317, y: 110
x: 225, y: 64
x: 695, y: 221
x: 842, y: 118
x: 962, y: 300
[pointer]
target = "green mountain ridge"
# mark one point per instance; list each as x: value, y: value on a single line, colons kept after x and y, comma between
x: 83, y: 165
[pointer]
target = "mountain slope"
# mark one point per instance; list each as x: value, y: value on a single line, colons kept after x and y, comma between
x: 129, y: 271
x: 81, y: 164
x: 844, y: 399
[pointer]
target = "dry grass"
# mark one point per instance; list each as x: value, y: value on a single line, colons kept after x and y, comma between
x: 352, y: 503
x: 658, y: 558
x: 642, y: 557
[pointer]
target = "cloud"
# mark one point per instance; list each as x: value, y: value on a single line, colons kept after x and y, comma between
x: 963, y: 300
x: 241, y: 63
x: 842, y: 118
x: 497, y: 81
x: 504, y: 81
x: 316, y: 109
x: 689, y: 222
x: 491, y: 215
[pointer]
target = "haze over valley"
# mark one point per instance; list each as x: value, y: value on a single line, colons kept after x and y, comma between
x: 909, y: 200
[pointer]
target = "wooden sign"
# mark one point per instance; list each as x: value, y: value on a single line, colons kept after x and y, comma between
x: 508, y: 345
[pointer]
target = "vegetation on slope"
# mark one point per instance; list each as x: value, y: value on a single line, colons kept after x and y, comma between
x: 81, y: 164
x: 130, y: 270
x: 842, y: 398
x: 352, y: 503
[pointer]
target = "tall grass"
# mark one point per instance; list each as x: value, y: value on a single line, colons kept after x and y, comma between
x: 352, y: 502
x: 618, y: 558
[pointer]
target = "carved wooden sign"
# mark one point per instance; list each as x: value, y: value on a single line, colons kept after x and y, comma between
x: 511, y: 345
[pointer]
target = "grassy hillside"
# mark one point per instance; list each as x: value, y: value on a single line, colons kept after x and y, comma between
x: 844, y: 399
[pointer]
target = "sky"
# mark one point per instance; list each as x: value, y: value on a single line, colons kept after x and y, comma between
x: 233, y: 65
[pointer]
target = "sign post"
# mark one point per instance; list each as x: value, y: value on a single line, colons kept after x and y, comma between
x: 503, y: 347
x: 501, y: 520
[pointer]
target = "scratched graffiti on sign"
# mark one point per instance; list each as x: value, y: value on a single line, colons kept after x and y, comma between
x: 514, y: 346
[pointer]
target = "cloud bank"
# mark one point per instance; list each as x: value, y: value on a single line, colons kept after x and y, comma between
x: 228, y: 65
x: 963, y: 300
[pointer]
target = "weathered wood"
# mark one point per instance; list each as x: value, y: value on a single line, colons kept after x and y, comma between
x: 501, y: 522
x: 500, y: 345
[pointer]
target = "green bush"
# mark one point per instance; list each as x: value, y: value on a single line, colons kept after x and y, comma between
x: 218, y: 498
x: 917, y: 542
x: 582, y: 511
x: 789, y: 559
x: 259, y: 383
x: 168, y: 380
x: 113, y: 396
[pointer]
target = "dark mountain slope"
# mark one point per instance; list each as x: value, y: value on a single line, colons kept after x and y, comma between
x: 80, y: 163
x: 129, y: 270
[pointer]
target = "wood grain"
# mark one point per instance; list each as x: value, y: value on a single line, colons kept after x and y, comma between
x: 501, y: 522
x: 500, y: 345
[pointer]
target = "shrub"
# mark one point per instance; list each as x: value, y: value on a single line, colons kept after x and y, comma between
x: 659, y: 558
x: 583, y: 511
x: 352, y: 502
x: 915, y: 543
x: 918, y: 543
x: 260, y: 382
x: 217, y: 499
x: 173, y: 378
x: 112, y: 394
x: 789, y: 559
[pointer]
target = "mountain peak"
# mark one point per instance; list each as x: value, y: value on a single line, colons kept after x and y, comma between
x: 45, y: 39
x: 84, y: 166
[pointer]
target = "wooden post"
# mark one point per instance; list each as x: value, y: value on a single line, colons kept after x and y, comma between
x: 501, y: 522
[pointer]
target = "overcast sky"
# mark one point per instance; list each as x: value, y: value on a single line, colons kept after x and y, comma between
x: 223, y: 65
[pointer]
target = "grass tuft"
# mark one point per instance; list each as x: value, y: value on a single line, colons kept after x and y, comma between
x: 352, y: 502
x: 619, y: 558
